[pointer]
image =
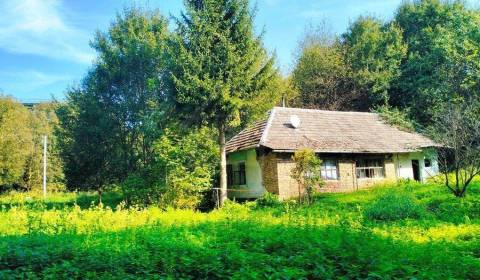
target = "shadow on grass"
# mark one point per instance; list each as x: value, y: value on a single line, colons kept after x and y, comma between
x: 241, y: 249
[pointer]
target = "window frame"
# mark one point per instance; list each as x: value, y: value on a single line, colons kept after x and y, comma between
x: 229, y: 175
x: 329, y: 169
x: 237, y: 176
x: 369, y: 169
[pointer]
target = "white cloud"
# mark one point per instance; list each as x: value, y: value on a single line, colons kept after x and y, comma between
x: 38, y: 27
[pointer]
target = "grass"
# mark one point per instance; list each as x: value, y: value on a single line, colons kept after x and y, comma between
x: 335, y: 237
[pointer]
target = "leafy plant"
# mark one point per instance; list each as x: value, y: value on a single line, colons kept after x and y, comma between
x: 268, y: 199
x: 394, y: 206
x: 307, y: 173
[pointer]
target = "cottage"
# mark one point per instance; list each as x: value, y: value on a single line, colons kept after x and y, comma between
x: 357, y: 150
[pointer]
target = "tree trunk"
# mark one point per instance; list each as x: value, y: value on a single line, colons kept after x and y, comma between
x: 223, y: 165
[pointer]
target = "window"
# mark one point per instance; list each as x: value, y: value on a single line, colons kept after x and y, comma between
x: 241, y: 175
x: 428, y: 162
x: 328, y: 170
x: 229, y: 175
x: 236, y: 174
x: 370, y: 168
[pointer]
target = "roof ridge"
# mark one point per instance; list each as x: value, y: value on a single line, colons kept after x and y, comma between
x: 325, y: 111
x: 263, y: 139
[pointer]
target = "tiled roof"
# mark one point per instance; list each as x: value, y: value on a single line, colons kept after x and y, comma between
x: 247, y: 138
x: 328, y: 132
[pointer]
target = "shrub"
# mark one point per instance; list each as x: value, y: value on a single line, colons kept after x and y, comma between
x: 183, y: 171
x: 305, y: 172
x: 394, y: 206
x: 268, y: 200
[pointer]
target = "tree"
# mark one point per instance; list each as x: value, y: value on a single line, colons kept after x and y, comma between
x: 43, y: 121
x: 306, y: 172
x: 183, y: 170
x: 217, y: 68
x: 457, y: 128
x: 321, y: 74
x: 108, y: 123
x: 374, y: 52
x: 15, y: 141
x: 323, y: 79
x: 443, y: 52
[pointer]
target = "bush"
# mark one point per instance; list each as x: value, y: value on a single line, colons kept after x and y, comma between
x: 268, y: 200
x: 394, y: 206
x: 184, y: 169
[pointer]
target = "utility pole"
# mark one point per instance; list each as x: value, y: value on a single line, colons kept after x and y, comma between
x: 45, y: 166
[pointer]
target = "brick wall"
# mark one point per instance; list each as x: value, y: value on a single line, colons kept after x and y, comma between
x: 288, y: 187
x: 390, y: 176
x: 268, y: 164
x: 276, y: 176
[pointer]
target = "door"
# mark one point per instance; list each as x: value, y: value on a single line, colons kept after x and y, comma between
x: 416, y: 170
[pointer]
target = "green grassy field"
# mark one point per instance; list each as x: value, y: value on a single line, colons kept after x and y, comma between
x: 409, y: 231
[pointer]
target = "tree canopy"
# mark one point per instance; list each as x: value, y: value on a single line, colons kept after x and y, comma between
x: 425, y: 56
x: 218, y: 67
x: 108, y: 123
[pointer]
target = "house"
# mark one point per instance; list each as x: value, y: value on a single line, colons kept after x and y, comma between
x: 357, y: 150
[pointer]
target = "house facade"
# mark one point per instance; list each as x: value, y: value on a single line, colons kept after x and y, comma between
x: 357, y: 150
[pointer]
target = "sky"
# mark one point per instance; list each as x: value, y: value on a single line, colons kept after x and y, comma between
x: 44, y: 44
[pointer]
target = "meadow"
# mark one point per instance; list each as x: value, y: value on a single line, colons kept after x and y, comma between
x: 403, y: 231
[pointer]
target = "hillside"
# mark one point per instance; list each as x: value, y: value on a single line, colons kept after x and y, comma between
x: 403, y: 231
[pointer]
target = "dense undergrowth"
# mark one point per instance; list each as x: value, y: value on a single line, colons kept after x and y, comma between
x: 404, y: 231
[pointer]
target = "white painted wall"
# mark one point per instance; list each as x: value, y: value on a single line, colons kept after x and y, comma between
x: 254, y: 187
x: 403, y: 163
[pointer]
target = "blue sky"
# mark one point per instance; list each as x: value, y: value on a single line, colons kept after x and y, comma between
x: 44, y: 44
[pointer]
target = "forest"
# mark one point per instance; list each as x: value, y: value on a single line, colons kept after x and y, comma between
x: 136, y: 147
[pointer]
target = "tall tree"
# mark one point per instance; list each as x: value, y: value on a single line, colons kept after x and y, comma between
x: 107, y: 125
x: 374, y: 52
x: 323, y: 78
x: 217, y: 67
x: 15, y: 140
x: 443, y: 57
x: 43, y: 122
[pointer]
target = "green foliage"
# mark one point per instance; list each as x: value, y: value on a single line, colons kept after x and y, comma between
x: 443, y: 53
x: 306, y: 172
x: 217, y: 64
x: 322, y: 77
x: 218, y: 70
x: 184, y: 169
x: 328, y: 239
x: 354, y: 72
x: 396, y: 117
x: 15, y: 141
x: 44, y: 122
x: 374, y: 52
x: 268, y: 200
x: 427, y: 55
x: 394, y: 206
x: 21, y: 146
x: 109, y: 123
